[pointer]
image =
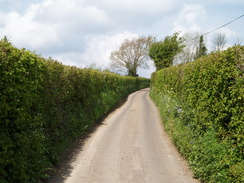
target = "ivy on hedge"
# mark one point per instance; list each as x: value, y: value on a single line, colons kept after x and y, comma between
x: 202, y: 105
x: 45, y: 105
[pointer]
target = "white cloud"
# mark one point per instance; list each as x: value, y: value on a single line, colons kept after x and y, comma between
x: 98, y: 49
x: 136, y: 13
x: 35, y: 9
x: 192, y: 13
x: 140, y: 5
x: 74, y: 14
x: 54, y: 25
x: 24, y: 31
x: 190, y: 18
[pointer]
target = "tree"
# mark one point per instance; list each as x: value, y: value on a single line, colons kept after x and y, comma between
x: 238, y: 41
x: 131, y: 55
x: 201, y: 49
x: 163, y: 52
x: 219, y: 41
x: 188, y: 53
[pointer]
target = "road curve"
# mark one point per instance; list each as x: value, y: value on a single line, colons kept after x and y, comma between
x: 130, y: 146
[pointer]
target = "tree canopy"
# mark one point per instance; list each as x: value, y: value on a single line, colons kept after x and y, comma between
x: 201, y: 49
x: 163, y: 52
x: 219, y: 41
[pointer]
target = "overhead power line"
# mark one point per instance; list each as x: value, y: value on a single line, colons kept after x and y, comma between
x: 219, y: 27
x: 223, y: 25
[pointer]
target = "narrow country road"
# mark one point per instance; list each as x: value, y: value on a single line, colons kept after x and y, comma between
x: 129, y: 147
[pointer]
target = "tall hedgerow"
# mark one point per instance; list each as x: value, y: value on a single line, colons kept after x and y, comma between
x: 202, y: 104
x: 22, y: 141
x: 45, y: 106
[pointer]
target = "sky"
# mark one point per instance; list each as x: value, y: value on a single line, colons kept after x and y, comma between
x: 85, y: 32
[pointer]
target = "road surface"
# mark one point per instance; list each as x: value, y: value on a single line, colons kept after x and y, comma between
x: 130, y: 146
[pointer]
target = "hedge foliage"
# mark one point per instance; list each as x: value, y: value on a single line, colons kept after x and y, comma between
x: 45, y: 105
x: 202, y: 106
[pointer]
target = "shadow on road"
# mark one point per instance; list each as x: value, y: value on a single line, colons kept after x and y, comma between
x: 63, y: 170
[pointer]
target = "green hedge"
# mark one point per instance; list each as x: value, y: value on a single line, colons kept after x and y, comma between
x: 202, y: 106
x: 44, y: 106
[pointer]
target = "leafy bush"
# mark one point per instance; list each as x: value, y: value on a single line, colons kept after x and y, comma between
x: 202, y: 108
x: 21, y: 126
x: 44, y: 106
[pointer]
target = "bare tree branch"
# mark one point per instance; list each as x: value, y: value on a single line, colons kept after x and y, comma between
x: 219, y: 41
